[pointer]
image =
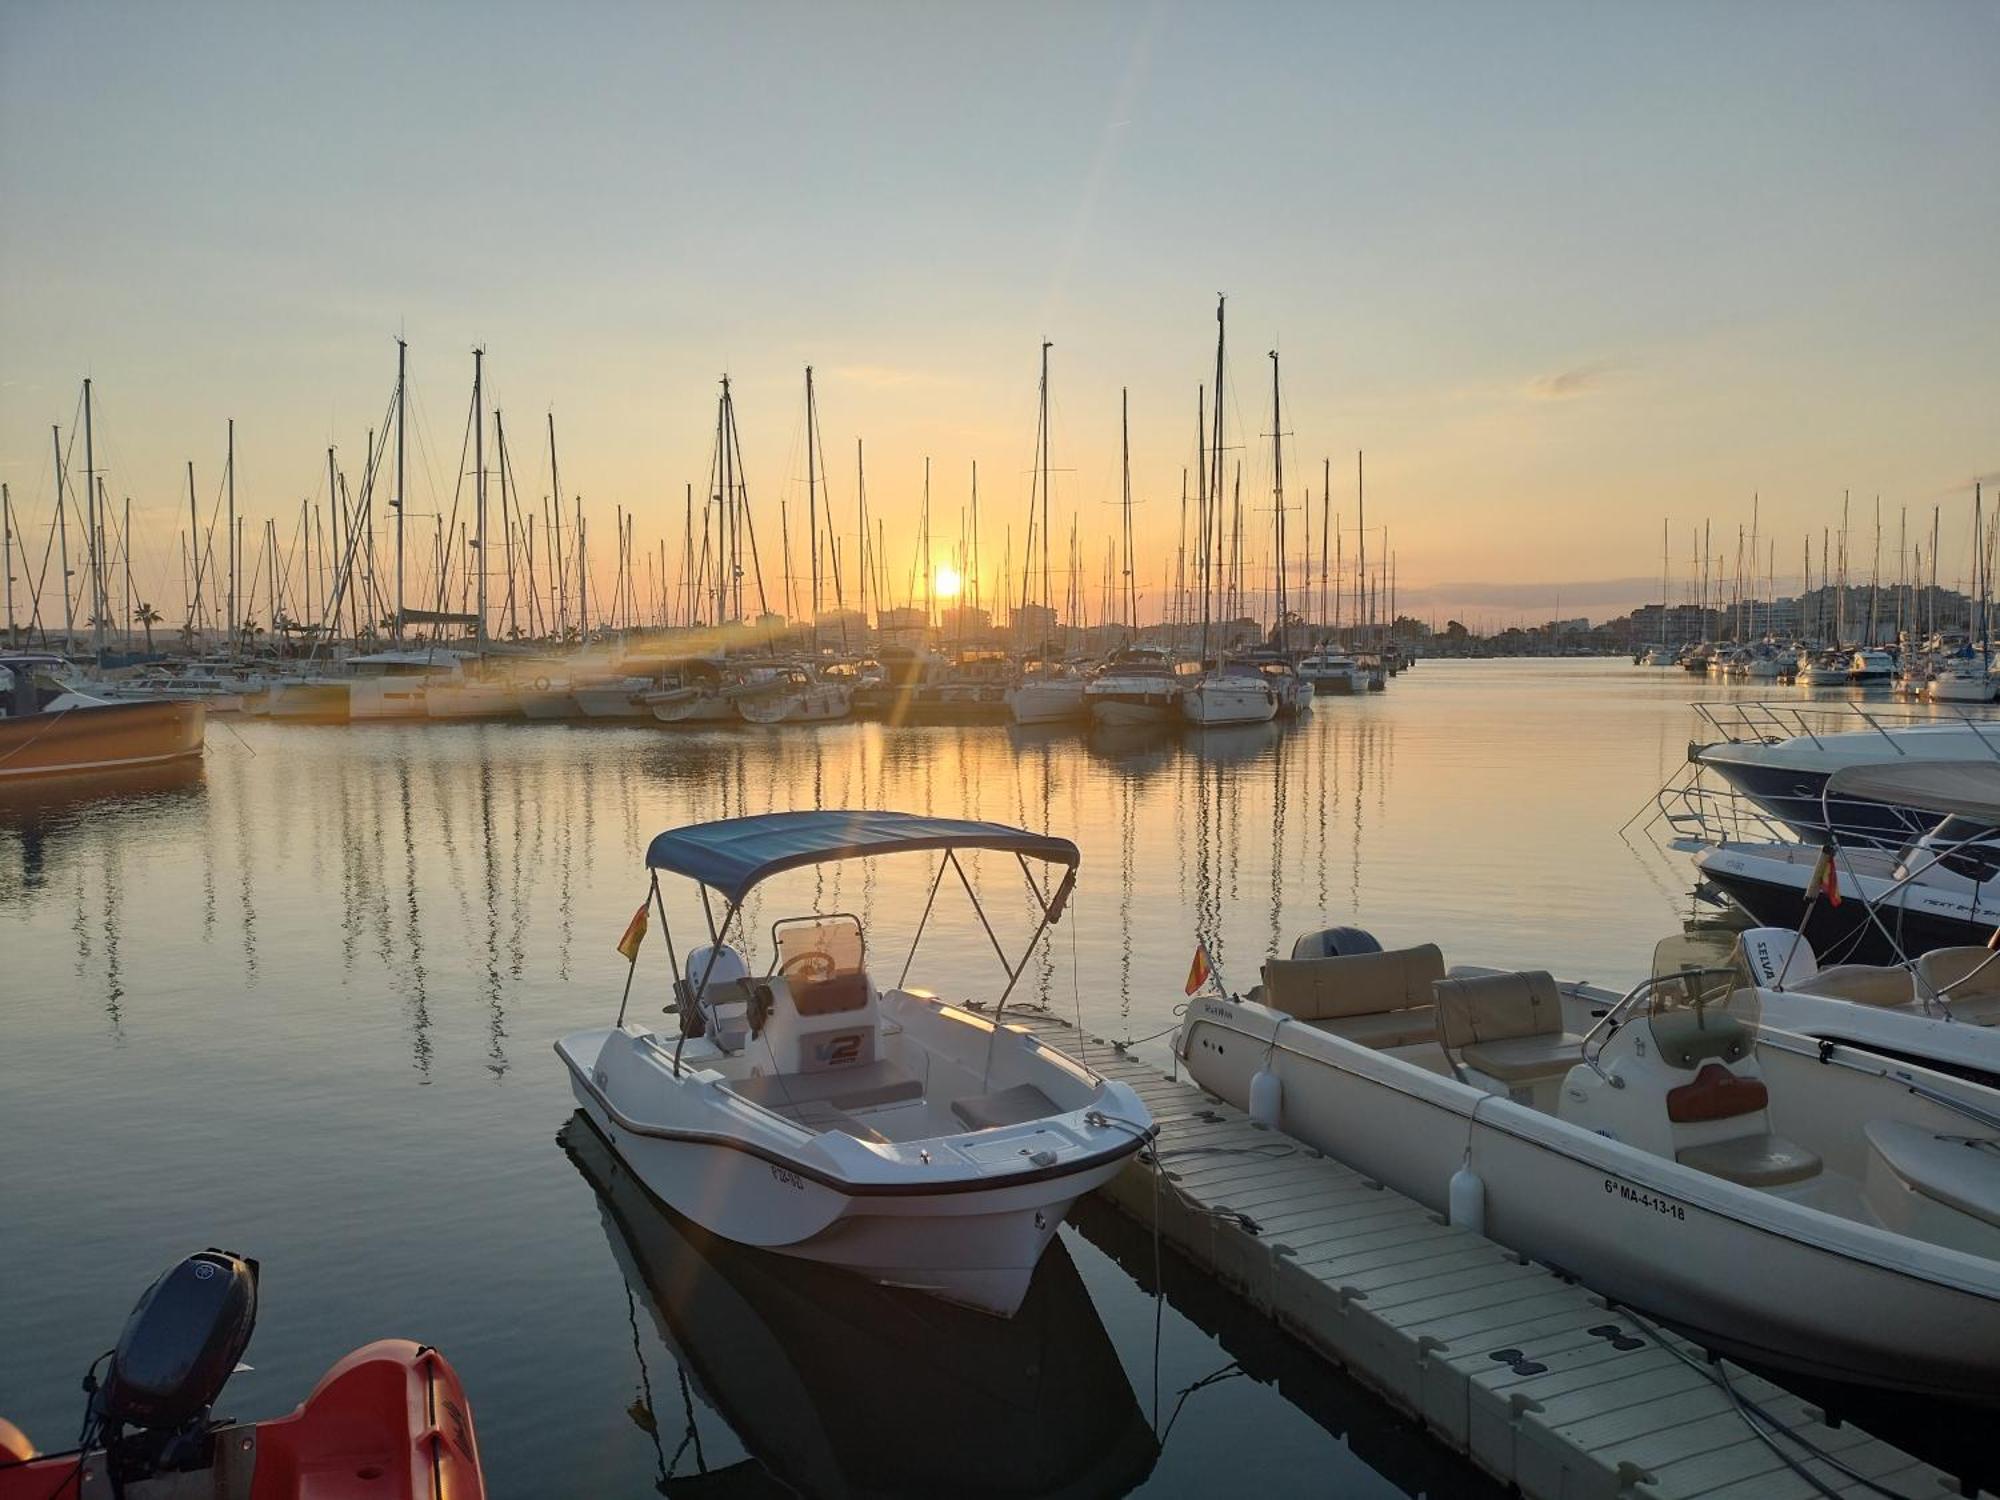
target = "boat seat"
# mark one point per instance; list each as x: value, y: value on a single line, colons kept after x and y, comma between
x: 1508, y: 1026
x: 1525, y: 1059
x: 1967, y: 979
x: 1947, y: 1169
x: 1356, y: 984
x: 1862, y: 984
x: 1388, y: 1028
x: 860, y: 1086
x: 1015, y: 1106
x: 820, y: 1116
x: 1758, y: 1161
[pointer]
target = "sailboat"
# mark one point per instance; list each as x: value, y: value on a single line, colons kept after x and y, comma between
x: 1054, y: 694
x: 1223, y: 694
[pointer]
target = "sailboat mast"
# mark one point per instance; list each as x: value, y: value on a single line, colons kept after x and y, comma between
x: 92, y: 524
x: 1280, y: 603
x: 1215, y: 451
x: 812, y: 501
x: 402, y: 412
x: 861, y: 514
x: 235, y: 544
x: 62, y: 537
x: 1125, y: 472
x: 7, y: 552
x: 479, y: 485
x: 1325, y: 525
x: 1042, y: 457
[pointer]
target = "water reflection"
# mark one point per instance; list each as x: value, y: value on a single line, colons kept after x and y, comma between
x: 470, y: 866
x: 836, y: 1386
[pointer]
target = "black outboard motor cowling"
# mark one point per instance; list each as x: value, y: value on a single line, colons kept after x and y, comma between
x: 181, y: 1342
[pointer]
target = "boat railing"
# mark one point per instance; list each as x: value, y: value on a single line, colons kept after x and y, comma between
x: 1765, y: 721
x: 1608, y: 1023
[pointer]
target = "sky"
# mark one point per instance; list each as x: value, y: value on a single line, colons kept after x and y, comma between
x: 1564, y: 272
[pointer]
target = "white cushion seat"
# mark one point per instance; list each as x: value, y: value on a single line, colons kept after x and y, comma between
x: 1947, y: 1169
x: 858, y: 1086
x: 1524, y: 1059
x: 1757, y: 1161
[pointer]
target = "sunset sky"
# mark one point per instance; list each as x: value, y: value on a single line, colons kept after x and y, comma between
x: 1561, y: 270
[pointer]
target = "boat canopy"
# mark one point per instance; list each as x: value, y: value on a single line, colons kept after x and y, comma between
x: 1967, y: 788
x: 735, y: 854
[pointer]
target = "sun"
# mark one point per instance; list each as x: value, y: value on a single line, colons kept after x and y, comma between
x: 949, y: 584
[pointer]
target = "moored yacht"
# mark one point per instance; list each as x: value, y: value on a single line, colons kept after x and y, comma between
x: 1229, y: 693
x: 1333, y: 672
x: 48, y: 728
x: 1139, y: 685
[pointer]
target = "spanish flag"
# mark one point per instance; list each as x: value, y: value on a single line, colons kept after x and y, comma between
x: 1825, y: 878
x: 635, y: 934
x: 1199, y: 970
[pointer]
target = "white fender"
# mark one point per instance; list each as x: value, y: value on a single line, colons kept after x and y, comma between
x: 1267, y: 1096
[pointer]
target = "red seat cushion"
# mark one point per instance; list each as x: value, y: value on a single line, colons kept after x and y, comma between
x: 1716, y: 1094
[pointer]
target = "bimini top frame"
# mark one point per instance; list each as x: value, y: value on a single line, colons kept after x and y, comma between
x: 734, y: 855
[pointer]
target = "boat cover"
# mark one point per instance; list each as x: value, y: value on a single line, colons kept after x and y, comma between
x: 735, y: 854
x: 1968, y: 788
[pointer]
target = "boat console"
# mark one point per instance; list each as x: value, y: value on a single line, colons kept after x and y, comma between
x: 1672, y: 1069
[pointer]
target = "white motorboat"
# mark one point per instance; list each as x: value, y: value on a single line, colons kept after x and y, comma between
x: 1940, y: 1011
x: 1139, y: 685
x: 1964, y: 679
x: 791, y: 695
x: 1234, y: 693
x: 1658, y: 656
x: 1054, y: 695
x: 1821, y: 669
x: 814, y: 1112
x: 1803, y: 1204
x: 612, y: 698
x: 397, y: 684
x: 1337, y: 673
x: 1868, y: 667
x: 1780, y: 760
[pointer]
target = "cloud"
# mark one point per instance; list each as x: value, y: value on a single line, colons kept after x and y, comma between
x: 1565, y: 385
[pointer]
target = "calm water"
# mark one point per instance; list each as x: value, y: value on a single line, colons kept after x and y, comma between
x: 300, y: 1004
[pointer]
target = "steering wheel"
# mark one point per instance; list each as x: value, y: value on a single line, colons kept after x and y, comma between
x: 815, y: 967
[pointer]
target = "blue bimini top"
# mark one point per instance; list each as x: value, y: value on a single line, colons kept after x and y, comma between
x: 735, y: 854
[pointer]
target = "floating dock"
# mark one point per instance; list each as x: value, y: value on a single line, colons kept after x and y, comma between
x: 1534, y: 1378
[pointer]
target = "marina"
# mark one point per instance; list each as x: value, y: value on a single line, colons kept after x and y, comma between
x: 1034, y: 753
x: 289, y: 948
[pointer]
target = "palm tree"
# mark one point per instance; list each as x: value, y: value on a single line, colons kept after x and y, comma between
x: 147, y: 616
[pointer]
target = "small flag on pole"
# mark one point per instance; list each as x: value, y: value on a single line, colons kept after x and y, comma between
x: 635, y: 934
x: 1825, y: 878
x: 1200, y: 970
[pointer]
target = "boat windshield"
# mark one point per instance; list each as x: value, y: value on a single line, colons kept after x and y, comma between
x: 1702, y: 974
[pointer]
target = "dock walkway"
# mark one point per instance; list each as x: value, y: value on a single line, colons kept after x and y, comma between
x: 1536, y: 1379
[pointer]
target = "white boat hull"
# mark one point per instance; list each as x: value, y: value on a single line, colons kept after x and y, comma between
x: 1747, y: 1273
x: 1216, y: 702
x: 969, y: 1234
x: 1056, y: 702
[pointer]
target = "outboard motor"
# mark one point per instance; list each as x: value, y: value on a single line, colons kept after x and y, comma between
x: 1778, y: 957
x: 1335, y: 942
x: 179, y: 1346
